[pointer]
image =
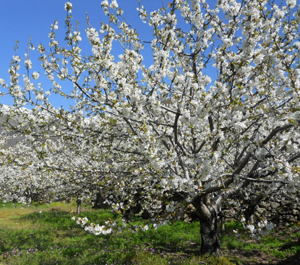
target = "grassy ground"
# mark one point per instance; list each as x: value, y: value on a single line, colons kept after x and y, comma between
x: 47, y: 235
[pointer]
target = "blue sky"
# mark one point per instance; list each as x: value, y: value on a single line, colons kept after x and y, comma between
x: 20, y: 19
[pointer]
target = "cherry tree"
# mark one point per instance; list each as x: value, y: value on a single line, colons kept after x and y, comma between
x: 216, y: 113
x: 45, y: 167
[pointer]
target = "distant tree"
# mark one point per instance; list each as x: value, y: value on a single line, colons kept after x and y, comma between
x: 44, y: 167
x: 172, y: 127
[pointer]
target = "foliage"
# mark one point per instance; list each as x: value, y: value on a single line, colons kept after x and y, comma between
x: 152, y: 131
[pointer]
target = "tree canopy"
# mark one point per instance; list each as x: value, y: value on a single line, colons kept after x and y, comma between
x: 216, y: 112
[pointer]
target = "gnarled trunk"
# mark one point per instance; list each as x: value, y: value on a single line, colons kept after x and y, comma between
x: 210, y: 243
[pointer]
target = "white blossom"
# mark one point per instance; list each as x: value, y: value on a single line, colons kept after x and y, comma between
x: 114, y: 4
x: 39, y: 96
x: 68, y: 7
x: 28, y: 63
x: 16, y: 58
x: 35, y: 75
x: 291, y: 3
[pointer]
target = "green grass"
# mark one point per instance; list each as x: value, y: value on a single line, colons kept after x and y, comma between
x: 45, y: 234
x: 272, y: 244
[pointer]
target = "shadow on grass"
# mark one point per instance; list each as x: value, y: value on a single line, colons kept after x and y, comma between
x: 192, y: 249
x: 57, y: 219
x: 180, y: 237
x: 25, y: 239
x: 294, y: 245
x: 60, y: 239
x: 293, y: 260
x: 56, y: 239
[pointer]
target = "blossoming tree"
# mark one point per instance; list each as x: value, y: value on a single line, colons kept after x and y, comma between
x: 42, y: 167
x: 217, y: 110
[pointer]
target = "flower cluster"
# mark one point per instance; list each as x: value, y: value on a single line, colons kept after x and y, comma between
x: 112, y: 227
x: 263, y: 227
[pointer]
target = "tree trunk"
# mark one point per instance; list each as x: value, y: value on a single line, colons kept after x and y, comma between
x: 210, y: 243
x: 99, y: 202
x: 250, y: 211
x: 222, y: 218
x: 78, y: 201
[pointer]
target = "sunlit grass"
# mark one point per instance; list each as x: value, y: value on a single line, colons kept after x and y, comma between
x: 45, y: 234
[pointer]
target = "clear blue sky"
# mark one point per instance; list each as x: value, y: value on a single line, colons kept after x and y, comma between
x: 21, y: 19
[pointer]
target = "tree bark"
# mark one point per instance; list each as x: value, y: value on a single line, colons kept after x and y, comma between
x: 99, y: 202
x: 222, y: 218
x: 78, y: 201
x: 250, y: 211
x: 210, y: 243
